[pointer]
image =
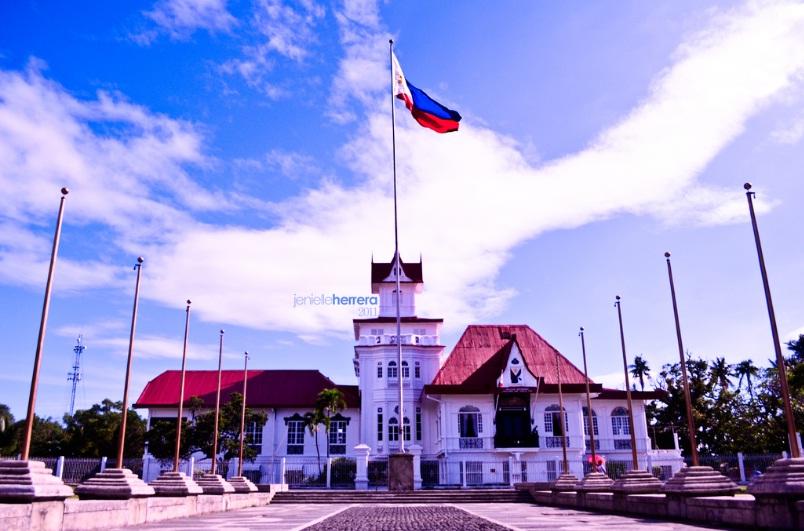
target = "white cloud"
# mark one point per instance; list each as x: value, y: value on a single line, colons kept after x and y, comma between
x: 466, y: 199
x: 180, y: 18
x: 791, y: 132
x: 152, y: 346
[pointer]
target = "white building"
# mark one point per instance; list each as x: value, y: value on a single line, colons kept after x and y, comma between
x: 486, y: 413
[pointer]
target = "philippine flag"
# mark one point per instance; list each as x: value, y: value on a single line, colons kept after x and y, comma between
x: 425, y: 110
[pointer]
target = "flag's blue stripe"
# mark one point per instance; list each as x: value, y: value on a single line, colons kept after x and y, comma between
x: 427, y: 104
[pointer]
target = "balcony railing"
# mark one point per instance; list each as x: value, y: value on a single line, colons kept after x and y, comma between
x: 390, y: 339
x: 618, y: 443
x: 470, y: 443
x: 552, y: 441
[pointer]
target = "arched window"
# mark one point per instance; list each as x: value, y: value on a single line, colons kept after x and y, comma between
x: 470, y: 421
x: 379, y: 424
x: 406, y: 428
x: 552, y: 421
x: 392, y: 370
x: 393, y: 430
x: 586, y: 422
x: 379, y: 369
x: 405, y: 370
x: 620, y: 425
x: 417, y: 370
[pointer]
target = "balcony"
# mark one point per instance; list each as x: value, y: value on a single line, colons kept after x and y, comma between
x: 406, y: 339
x: 555, y: 442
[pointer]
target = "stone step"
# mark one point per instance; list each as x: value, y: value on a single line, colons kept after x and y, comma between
x: 421, y: 496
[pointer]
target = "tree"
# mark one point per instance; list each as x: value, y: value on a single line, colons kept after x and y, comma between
x: 720, y: 372
x: 47, y: 437
x: 8, y: 433
x: 228, y: 430
x: 748, y: 371
x: 95, y: 432
x: 640, y: 370
x: 312, y: 421
x: 161, y: 439
x: 329, y: 403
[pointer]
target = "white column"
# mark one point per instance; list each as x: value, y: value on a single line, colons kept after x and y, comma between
x: 361, y: 460
x: 416, y: 450
x: 60, y: 467
x: 510, y: 471
x: 282, y: 468
x: 329, y: 472
x: 741, y: 464
x: 103, y: 464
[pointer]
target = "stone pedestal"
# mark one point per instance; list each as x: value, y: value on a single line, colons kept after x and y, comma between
x: 362, y: 452
x: 777, y: 491
x: 400, y: 472
x: 785, y: 477
x: 636, y: 482
x: 114, y: 484
x: 242, y: 485
x: 214, y: 484
x: 595, y: 482
x: 175, y: 484
x: 29, y: 481
x: 699, y: 481
x: 566, y: 482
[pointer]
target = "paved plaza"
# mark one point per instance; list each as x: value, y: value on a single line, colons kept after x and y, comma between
x: 472, y: 517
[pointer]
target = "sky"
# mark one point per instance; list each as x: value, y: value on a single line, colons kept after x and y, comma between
x: 243, y: 148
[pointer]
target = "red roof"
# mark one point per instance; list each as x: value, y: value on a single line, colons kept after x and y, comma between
x: 482, y: 352
x: 274, y: 388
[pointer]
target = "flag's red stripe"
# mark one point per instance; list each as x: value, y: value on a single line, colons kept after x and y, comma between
x: 436, y: 123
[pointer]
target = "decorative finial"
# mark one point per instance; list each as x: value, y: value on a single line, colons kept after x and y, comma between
x: 667, y: 254
x: 617, y: 298
x: 140, y: 260
x: 747, y: 186
x: 189, y: 302
x: 65, y: 191
x: 221, y: 331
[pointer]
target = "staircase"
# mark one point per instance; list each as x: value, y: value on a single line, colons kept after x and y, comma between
x: 416, y: 496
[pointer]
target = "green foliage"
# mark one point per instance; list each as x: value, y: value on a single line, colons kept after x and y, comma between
x: 640, y: 370
x: 328, y: 404
x: 47, y: 438
x: 201, y: 434
x: 95, y: 432
x: 8, y: 433
x: 161, y: 439
x: 728, y: 420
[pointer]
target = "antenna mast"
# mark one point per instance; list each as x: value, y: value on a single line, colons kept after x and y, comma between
x: 75, y: 376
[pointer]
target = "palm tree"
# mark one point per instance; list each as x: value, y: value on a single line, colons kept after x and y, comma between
x: 329, y: 403
x: 746, y: 369
x: 640, y: 370
x: 312, y: 421
x: 720, y: 372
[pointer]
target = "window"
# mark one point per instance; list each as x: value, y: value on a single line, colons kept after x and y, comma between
x: 379, y: 423
x: 405, y: 370
x: 406, y: 428
x: 295, y: 437
x: 470, y: 421
x: 417, y: 370
x: 586, y: 422
x: 379, y: 369
x: 377, y: 331
x: 393, y: 430
x: 337, y: 437
x: 552, y: 421
x: 620, y: 425
x: 392, y: 371
x: 420, y: 331
x: 253, y: 436
x: 418, y: 424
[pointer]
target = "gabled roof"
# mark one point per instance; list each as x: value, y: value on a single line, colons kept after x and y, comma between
x: 380, y: 271
x: 482, y: 352
x: 266, y: 388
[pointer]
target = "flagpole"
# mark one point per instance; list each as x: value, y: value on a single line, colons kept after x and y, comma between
x: 397, y: 267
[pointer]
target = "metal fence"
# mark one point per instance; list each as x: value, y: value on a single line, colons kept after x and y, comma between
x: 378, y: 472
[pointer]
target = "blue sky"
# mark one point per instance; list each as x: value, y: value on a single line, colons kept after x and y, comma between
x: 243, y: 148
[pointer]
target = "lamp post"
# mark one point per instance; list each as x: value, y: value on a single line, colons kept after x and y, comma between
x: 635, y: 480
x: 239, y: 482
x: 23, y: 480
x: 594, y: 480
x: 693, y: 480
x: 180, y: 415
x: 792, y: 438
x: 40, y: 342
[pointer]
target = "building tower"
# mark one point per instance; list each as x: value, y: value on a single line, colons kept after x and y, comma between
x: 376, y: 364
x: 75, y: 375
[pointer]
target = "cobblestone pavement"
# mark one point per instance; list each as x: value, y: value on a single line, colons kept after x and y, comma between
x: 524, y: 516
x: 470, y: 516
x: 405, y: 518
